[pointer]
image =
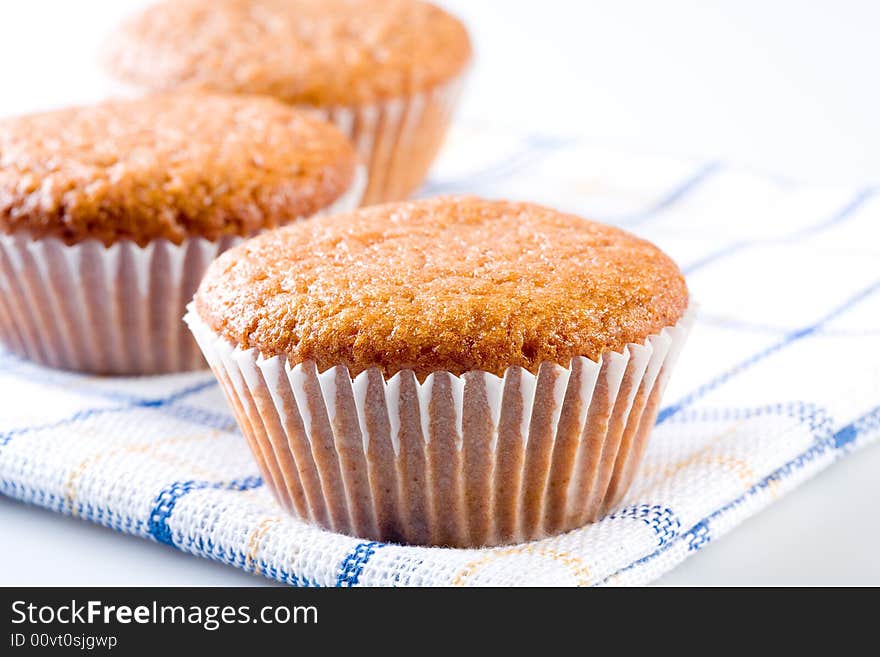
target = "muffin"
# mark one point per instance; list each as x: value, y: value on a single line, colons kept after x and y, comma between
x: 386, y: 72
x: 453, y: 371
x: 109, y: 215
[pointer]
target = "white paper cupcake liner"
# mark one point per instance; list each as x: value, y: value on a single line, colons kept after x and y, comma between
x: 463, y: 461
x: 397, y: 139
x: 109, y: 310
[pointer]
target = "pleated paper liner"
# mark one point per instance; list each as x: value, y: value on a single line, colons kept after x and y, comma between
x: 399, y: 138
x: 462, y: 461
x: 109, y: 310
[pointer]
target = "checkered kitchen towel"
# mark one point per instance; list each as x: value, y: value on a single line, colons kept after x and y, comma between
x: 780, y: 378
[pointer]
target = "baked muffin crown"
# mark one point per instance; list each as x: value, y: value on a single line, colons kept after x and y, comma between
x: 169, y: 166
x: 318, y: 52
x: 453, y: 283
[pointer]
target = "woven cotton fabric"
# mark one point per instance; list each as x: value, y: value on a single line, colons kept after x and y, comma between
x: 780, y: 378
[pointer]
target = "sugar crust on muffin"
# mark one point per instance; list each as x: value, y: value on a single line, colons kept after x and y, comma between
x: 452, y: 283
x: 318, y: 52
x: 168, y: 166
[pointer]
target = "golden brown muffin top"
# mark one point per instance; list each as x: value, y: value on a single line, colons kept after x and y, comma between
x: 316, y: 52
x: 454, y: 283
x: 168, y: 166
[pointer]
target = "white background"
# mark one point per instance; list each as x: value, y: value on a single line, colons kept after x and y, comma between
x: 781, y: 86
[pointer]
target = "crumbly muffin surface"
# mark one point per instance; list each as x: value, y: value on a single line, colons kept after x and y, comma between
x: 454, y: 283
x: 170, y: 166
x: 318, y: 52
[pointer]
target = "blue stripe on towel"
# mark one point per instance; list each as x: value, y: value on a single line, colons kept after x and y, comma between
x: 756, y: 358
x: 168, y: 498
x: 351, y: 567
